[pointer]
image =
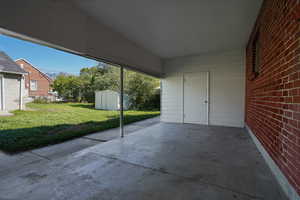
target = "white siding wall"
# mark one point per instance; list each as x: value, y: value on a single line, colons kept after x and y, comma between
x: 227, y: 87
x: 172, y: 99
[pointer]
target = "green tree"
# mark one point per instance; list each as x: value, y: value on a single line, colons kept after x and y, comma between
x: 68, y: 87
x: 98, y: 78
x: 142, y: 90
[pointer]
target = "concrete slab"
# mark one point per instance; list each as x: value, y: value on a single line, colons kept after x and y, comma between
x: 93, y: 177
x: 66, y: 148
x: 113, y: 133
x: 164, y: 161
x: 221, y: 156
x: 147, y: 122
x: 128, y: 129
x: 10, y: 163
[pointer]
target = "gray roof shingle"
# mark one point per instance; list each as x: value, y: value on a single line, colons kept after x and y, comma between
x: 9, y: 66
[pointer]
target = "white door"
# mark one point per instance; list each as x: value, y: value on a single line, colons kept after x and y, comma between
x: 196, y: 98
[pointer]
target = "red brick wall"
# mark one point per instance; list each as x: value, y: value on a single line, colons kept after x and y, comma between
x: 273, y: 96
x: 33, y: 74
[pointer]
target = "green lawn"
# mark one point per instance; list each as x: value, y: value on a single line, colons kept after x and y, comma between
x: 46, y: 124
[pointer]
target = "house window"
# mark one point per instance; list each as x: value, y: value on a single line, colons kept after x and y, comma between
x: 33, y: 85
x: 256, y: 55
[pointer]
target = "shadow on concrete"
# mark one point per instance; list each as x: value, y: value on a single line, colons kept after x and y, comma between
x: 18, y: 140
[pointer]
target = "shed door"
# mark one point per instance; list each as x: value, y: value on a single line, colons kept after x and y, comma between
x: 196, y: 98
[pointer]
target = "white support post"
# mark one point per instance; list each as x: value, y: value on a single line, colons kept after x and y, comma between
x: 121, y: 101
x: 2, y: 94
x: 21, y: 94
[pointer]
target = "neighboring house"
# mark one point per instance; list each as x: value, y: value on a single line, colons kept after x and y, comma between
x: 37, y: 83
x: 11, y: 84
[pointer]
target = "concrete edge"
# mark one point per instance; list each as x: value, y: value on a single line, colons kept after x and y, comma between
x: 280, y: 177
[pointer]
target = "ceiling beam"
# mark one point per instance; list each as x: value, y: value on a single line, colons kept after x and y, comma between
x: 61, y: 25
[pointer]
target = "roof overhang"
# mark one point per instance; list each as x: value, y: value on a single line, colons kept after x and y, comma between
x: 136, y: 34
x: 18, y: 73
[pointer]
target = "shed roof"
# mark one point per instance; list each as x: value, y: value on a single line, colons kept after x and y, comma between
x: 7, y: 65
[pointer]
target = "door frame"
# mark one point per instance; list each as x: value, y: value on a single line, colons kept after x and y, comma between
x: 207, y: 95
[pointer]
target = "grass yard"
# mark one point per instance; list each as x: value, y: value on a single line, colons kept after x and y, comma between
x: 46, y: 124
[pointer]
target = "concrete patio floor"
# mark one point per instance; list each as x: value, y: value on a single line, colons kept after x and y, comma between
x: 163, y: 161
x: 10, y: 163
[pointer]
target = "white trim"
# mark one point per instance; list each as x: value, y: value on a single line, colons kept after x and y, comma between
x: 30, y: 85
x: 7, y: 72
x: 282, y: 180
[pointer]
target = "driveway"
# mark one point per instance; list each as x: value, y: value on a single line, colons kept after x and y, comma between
x: 162, y: 161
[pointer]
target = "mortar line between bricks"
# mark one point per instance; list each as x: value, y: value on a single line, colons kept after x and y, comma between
x: 184, y: 177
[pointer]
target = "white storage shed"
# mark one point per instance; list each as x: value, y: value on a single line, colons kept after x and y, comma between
x: 109, y: 100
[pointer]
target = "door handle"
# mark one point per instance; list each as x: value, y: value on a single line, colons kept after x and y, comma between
x: 205, y: 101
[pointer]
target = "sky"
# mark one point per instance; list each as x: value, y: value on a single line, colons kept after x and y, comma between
x: 44, y: 58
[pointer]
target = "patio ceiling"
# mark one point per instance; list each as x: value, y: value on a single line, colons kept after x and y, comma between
x: 172, y: 28
x: 138, y: 34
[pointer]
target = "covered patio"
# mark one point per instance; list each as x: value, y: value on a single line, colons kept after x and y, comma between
x: 163, y: 161
x: 230, y: 99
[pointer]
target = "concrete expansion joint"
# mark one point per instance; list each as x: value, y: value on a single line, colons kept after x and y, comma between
x: 139, y: 125
x: 38, y: 155
x: 93, y: 139
x: 163, y: 171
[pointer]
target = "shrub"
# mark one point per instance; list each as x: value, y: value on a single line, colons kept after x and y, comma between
x: 41, y: 100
